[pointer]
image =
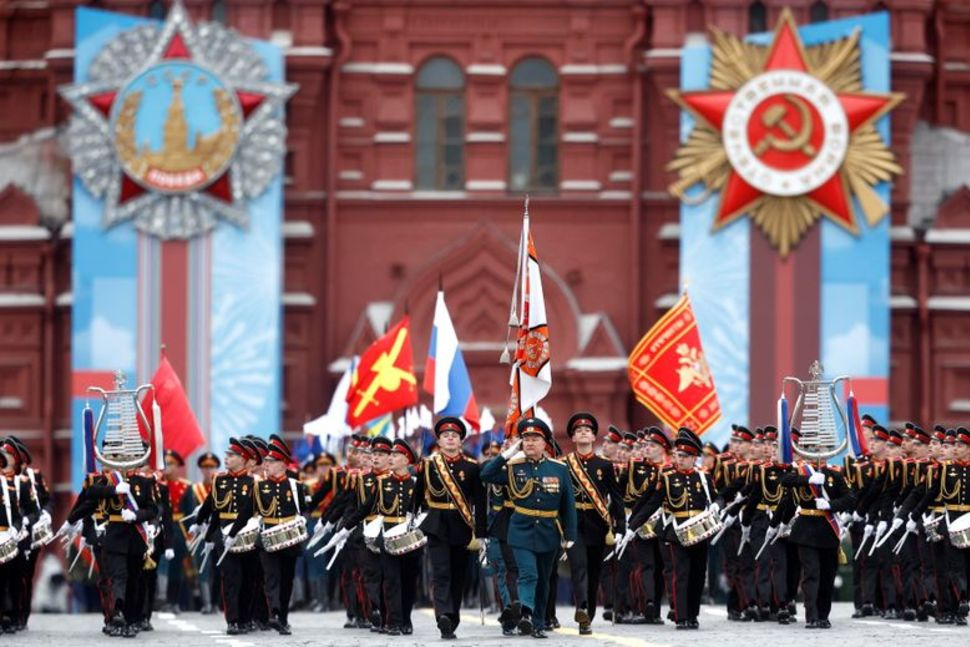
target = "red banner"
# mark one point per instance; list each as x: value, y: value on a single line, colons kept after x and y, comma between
x: 669, y: 374
x: 384, y: 380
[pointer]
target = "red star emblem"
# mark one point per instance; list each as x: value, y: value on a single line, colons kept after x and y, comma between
x: 774, y: 134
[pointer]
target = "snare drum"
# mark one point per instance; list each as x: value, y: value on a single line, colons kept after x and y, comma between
x: 960, y: 531
x: 245, y: 540
x: 932, y: 529
x: 8, y: 546
x: 649, y: 529
x: 41, y: 533
x: 284, y: 535
x: 400, y: 541
x: 698, y: 528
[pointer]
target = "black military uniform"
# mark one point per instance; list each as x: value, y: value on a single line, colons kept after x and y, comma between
x: 683, y: 494
x: 771, y: 570
x: 230, y: 505
x: 191, y: 502
x: 11, y: 520
x: 93, y: 515
x: 954, y: 491
x: 126, y: 549
x: 815, y: 532
x: 599, y: 506
x: 450, y: 489
x: 279, y: 499
x: 393, y: 498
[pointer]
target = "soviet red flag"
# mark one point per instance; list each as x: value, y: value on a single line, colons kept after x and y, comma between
x: 181, y: 429
x: 669, y: 374
x: 384, y: 380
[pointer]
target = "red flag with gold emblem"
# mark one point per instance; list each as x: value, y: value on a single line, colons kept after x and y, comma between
x: 384, y: 380
x: 669, y: 374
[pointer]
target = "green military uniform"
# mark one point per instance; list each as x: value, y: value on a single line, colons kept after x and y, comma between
x: 543, y: 516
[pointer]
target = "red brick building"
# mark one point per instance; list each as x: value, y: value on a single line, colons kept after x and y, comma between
x: 417, y: 130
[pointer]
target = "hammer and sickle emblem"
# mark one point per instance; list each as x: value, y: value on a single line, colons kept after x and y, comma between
x: 774, y: 117
x: 388, y: 377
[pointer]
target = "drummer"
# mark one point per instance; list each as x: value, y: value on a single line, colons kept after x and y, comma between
x: 280, y: 500
x: 955, y: 489
x: 393, y: 499
x: 687, y: 494
x: 10, y: 522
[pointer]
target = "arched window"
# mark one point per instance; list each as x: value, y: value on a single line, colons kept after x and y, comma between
x: 757, y: 17
x: 440, y: 122
x: 533, y: 127
x: 818, y: 12
x: 157, y: 10
x: 219, y: 11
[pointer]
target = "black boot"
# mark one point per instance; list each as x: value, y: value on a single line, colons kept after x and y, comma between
x: 525, y: 622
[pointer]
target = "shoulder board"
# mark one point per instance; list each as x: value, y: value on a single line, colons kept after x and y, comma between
x: 557, y: 462
x: 517, y: 461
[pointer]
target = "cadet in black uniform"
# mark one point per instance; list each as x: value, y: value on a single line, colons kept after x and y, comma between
x: 11, y: 520
x: 279, y: 499
x: 817, y: 493
x: 684, y: 492
x: 126, y: 548
x: 230, y: 505
x: 599, y: 506
x: 450, y: 489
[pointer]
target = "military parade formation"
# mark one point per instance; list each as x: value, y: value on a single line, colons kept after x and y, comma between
x: 635, y: 517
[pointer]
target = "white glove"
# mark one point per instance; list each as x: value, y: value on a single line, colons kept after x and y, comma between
x: 327, y: 527
x: 910, y: 526
x: 817, y: 478
x: 128, y: 515
x: 772, y: 531
x: 228, y: 541
x: 868, y: 528
x: 193, y: 529
x: 856, y: 518
x: 745, y: 533
x: 209, y: 546
x: 63, y: 529
x: 44, y: 514
x: 729, y: 520
x: 510, y: 451
x: 122, y: 488
x: 715, y: 507
x: 26, y: 524
x: 169, y: 554
x: 570, y: 544
x: 881, y: 528
x: 897, y: 522
x: 823, y: 504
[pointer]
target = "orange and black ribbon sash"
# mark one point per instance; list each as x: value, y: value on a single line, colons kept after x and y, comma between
x: 579, y: 473
x: 454, y: 491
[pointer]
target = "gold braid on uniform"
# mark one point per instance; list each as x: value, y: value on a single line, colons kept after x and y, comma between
x: 770, y: 497
x: 681, y: 501
x: 226, y: 500
x: 952, y: 494
x: 516, y: 492
x: 266, y: 512
x: 633, y: 491
x: 440, y: 493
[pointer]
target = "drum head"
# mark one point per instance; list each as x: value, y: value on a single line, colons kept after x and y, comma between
x: 961, y: 523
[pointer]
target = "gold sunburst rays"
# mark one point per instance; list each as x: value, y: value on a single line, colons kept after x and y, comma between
x: 784, y: 220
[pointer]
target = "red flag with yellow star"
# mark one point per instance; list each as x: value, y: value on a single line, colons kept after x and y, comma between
x: 384, y: 380
x: 669, y: 374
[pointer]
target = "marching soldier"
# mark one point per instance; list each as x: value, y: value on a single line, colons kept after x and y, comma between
x: 816, y: 494
x: 278, y: 500
x: 324, y: 489
x: 392, y: 497
x: 177, y: 487
x: 609, y: 580
x: 11, y: 521
x: 450, y: 489
x: 600, y: 514
x: 543, y: 517
x: 499, y: 552
x: 190, y: 505
x: 684, y: 493
x: 230, y: 506
x: 367, y: 483
x: 127, y: 543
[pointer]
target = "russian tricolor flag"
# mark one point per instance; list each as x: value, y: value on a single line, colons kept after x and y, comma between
x: 445, y: 374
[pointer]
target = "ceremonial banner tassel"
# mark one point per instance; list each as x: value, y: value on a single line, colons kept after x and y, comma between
x: 669, y: 374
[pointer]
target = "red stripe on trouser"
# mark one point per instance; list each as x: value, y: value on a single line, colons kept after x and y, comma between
x: 673, y: 582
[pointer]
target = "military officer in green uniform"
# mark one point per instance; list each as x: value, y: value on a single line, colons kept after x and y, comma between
x: 543, y: 516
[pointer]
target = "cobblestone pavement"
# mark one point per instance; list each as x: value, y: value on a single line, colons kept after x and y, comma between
x: 312, y: 629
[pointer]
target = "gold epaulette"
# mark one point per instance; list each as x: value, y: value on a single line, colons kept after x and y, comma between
x: 558, y: 462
